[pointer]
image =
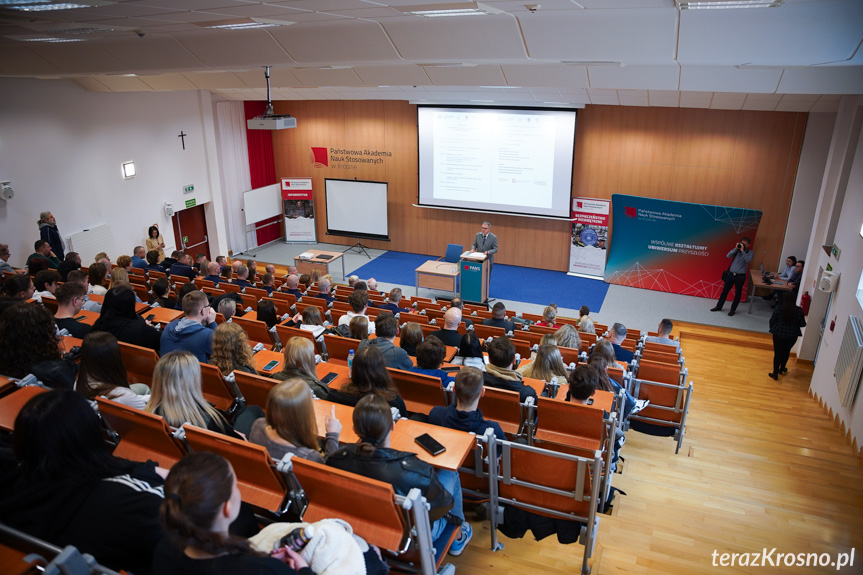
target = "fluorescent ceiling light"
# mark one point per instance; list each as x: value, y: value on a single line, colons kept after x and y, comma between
x: 50, y: 40
x: 592, y: 63
x: 243, y: 23
x: 452, y: 9
x: 46, y: 7
x: 128, y: 170
x: 15, y: 2
x: 727, y: 4
x: 79, y: 31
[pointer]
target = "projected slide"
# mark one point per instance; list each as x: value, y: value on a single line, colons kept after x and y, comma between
x: 516, y: 161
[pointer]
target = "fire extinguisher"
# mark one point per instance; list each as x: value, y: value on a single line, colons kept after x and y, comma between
x: 805, y: 302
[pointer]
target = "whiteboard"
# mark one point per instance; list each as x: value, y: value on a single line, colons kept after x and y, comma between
x: 262, y: 203
x: 91, y: 241
x: 357, y: 209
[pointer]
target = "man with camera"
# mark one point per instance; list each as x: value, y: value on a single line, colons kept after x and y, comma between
x: 735, y: 276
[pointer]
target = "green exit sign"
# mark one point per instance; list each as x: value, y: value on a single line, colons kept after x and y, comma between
x: 189, y: 188
x: 191, y: 203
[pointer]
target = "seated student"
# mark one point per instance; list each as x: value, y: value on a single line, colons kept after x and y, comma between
x: 267, y: 314
x: 19, y: 286
x: 309, y: 320
x: 267, y: 281
x: 547, y: 365
x: 29, y: 344
x: 631, y: 406
x: 369, y: 376
x: 457, y: 302
x: 291, y: 286
x: 372, y: 457
x: 202, y: 500
x: 393, y: 305
x: 616, y: 335
x: 583, y: 382
x: 70, y: 264
x: 69, y: 490
x: 194, y: 331
x: 567, y: 336
x: 549, y: 317
x: 70, y: 298
x: 411, y: 336
x: 499, y: 372
x: 449, y: 334
x: 305, y: 281
x: 359, y: 328
x: 585, y: 323
x: 213, y: 270
x: 290, y: 425
x: 604, y: 349
x: 430, y: 356
x: 177, y: 396
x: 125, y: 263
x: 153, y: 262
x: 227, y: 274
x: 183, y: 267
x: 299, y: 355
x: 188, y: 288
x: 231, y: 351
x: 464, y: 415
x: 359, y: 302
x: 42, y: 250
x: 664, y: 330
x: 37, y: 265
x: 324, y: 289
x: 470, y: 352
x: 138, y: 255
x: 80, y: 277
x: 242, y: 278
x: 46, y: 283
x: 498, y: 318
x: 118, y: 317
x: 121, y: 276
x: 162, y: 294
x: 386, y: 328
x: 96, y: 275
x: 101, y: 373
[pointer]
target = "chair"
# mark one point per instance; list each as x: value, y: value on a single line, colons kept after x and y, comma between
x: 249, y: 301
x: 141, y: 435
x: 531, y: 337
x: 570, y: 424
x: 420, y: 392
x: 339, y: 348
x: 253, y: 389
x: 659, y: 356
x: 142, y: 291
x: 255, y: 329
x: 257, y: 292
x: 288, y: 297
x: 453, y: 253
x: 285, y: 333
x: 214, y: 388
x: 202, y: 283
x: 231, y: 287
x: 301, y: 305
x: 486, y: 331
x: 51, y: 304
x: 140, y: 362
x: 504, y: 407
x: 543, y: 329
x: 669, y: 405
x: 282, y: 307
x: 260, y: 484
x: 671, y: 373
x: 316, y: 301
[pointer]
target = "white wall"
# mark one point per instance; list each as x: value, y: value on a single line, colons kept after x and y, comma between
x: 843, y: 191
x: 62, y: 148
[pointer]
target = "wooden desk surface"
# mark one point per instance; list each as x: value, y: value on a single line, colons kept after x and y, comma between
x: 758, y: 282
x: 162, y: 315
x: 438, y: 267
x: 68, y: 342
x: 11, y: 404
x: 458, y: 443
x: 265, y: 356
x: 89, y: 317
x: 315, y: 256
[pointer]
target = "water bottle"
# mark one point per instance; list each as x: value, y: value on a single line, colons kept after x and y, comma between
x: 298, y: 538
x: 350, y: 361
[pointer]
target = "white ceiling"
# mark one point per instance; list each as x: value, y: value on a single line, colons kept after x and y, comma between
x: 801, y: 56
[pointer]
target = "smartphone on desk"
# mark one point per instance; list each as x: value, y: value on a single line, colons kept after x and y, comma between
x: 151, y: 317
x: 329, y: 377
x: 271, y: 365
x: 430, y: 444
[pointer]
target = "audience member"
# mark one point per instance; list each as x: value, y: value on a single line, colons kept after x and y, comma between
x: 372, y: 287
x: 118, y: 317
x: 449, y: 334
x: 395, y: 297
x: 290, y: 425
x: 411, y: 336
x: 292, y: 271
x: 585, y: 323
x: 124, y: 262
x: 139, y: 255
x: 213, y: 269
x: 227, y: 307
x: 386, y: 330
x: 291, y: 286
x: 359, y: 328
x: 231, y: 351
x: 194, y: 331
x: 37, y: 265
x: 120, y: 277
x: 500, y: 372
x: 96, y: 275
x: 459, y: 303
x: 664, y: 334
x: 71, y: 263
x: 616, y: 335
x: 4, y: 259
x: 69, y: 490
x: 360, y: 285
x: 227, y: 273
x: 81, y: 278
x: 631, y: 406
x: 183, y: 267
x: 324, y: 288
x: 267, y: 314
x: 299, y: 355
x: 222, y: 261
x: 153, y: 263
x: 547, y: 365
x: 567, y: 336
x: 48, y: 232
x: 498, y: 318
x: 309, y: 320
x: 101, y: 373
x: 374, y: 458
x: 430, y: 356
x: 464, y: 415
x: 70, y: 298
x: 242, y: 278
x: 470, y: 352
x: 267, y: 283
x: 200, y: 263
x: 352, y: 280
x: 604, y: 348
x: 369, y: 376
x: 29, y: 343
x: 359, y: 301
x: 19, y: 286
x: 162, y: 294
x: 42, y: 249
x: 549, y: 317
x: 270, y: 269
x: 46, y: 284
x: 305, y: 282
x: 155, y: 242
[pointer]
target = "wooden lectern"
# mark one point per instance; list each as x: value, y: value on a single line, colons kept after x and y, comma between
x: 475, y: 273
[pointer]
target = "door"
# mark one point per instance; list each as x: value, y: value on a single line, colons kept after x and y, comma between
x: 190, y: 229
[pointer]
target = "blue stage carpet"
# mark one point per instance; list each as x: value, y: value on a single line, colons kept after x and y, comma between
x: 514, y: 283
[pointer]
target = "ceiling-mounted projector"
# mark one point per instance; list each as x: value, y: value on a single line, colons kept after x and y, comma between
x: 268, y: 120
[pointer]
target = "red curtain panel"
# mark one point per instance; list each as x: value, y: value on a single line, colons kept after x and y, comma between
x: 262, y: 166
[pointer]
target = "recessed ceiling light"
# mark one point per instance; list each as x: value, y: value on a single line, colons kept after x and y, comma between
x: 79, y: 30
x: 243, y: 23
x: 128, y: 170
x: 43, y: 5
x: 452, y: 9
x: 726, y: 4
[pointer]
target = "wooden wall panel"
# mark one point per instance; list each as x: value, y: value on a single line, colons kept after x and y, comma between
x: 723, y: 157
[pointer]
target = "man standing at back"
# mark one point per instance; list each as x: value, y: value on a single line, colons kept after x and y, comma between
x: 194, y: 331
x: 485, y: 242
x: 48, y: 231
x: 740, y: 258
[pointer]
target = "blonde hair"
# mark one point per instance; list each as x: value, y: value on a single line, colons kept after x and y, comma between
x: 177, y: 395
x: 289, y: 411
x: 230, y: 348
x: 547, y: 364
x: 118, y: 276
x: 567, y: 336
x: 300, y: 354
x: 586, y: 325
x: 549, y: 314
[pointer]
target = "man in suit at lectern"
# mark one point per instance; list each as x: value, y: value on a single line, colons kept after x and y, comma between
x: 486, y: 242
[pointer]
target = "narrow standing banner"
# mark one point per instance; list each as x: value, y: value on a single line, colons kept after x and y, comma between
x: 299, y: 210
x: 589, y: 237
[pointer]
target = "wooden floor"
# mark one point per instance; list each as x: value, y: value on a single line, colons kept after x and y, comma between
x: 762, y: 465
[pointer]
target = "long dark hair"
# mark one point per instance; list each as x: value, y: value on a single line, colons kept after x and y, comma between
x: 601, y: 365
x: 267, y: 313
x: 161, y: 289
x: 28, y: 335
x: 102, y: 362
x: 196, y: 489
x: 119, y: 304
x: 57, y: 434
x: 470, y: 346
x: 789, y: 307
x: 373, y: 421
x: 369, y: 375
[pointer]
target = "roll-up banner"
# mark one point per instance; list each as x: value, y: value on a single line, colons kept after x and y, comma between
x: 299, y: 210
x: 589, y: 237
x: 674, y: 246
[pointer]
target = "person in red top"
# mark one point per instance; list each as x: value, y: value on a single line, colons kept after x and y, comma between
x: 549, y: 317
